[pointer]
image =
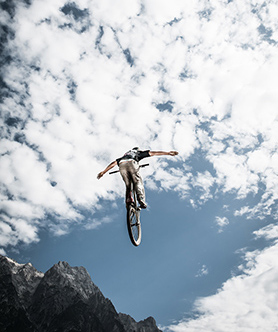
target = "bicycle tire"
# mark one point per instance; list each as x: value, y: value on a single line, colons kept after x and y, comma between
x: 133, y: 223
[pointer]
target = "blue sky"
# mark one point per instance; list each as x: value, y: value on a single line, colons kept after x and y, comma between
x: 84, y: 81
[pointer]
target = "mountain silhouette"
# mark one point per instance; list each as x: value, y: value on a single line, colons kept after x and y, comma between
x: 64, y: 299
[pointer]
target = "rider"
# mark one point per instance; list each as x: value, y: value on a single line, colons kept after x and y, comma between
x: 129, y: 169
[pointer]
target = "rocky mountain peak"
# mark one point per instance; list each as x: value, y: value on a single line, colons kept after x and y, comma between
x: 63, y: 299
x: 24, y: 278
x: 75, y: 278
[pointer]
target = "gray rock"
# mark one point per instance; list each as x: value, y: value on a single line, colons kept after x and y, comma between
x: 63, y: 299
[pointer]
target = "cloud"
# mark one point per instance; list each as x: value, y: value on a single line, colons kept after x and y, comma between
x: 202, y: 184
x: 202, y: 272
x: 83, y: 82
x: 221, y: 222
x: 14, y: 231
x: 244, y: 302
x: 269, y: 232
x: 96, y: 223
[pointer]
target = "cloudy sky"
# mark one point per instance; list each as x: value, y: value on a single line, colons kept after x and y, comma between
x: 84, y: 81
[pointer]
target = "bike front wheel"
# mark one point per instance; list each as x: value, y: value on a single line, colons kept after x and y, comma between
x: 133, y: 224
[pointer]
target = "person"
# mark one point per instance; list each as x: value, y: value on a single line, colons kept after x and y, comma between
x: 129, y: 169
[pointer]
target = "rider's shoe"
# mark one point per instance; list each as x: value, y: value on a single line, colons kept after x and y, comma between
x: 143, y: 205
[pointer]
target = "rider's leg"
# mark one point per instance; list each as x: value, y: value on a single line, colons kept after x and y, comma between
x: 124, y: 171
x: 130, y: 172
x: 138, y: 184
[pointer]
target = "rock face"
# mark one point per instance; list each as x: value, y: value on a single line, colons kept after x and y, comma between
x: 64, y: 299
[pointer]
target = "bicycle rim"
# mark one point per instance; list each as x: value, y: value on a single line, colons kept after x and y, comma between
x: 134, y: 225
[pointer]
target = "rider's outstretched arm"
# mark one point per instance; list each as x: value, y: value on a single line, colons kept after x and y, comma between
x: 163, y: 153
x: 111, y: 165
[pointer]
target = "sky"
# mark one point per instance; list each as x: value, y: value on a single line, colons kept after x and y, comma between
x: 84, y: 81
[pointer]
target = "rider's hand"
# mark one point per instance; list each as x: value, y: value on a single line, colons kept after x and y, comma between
x: 100, y: 175
x: 173, y: 153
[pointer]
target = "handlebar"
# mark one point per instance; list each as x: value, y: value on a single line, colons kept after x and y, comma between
x: 140, y: 166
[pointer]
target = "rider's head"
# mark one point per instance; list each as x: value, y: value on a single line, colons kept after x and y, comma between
x: 136, y: 148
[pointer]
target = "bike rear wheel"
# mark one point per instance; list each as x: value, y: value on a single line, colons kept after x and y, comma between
x: 133, y: 223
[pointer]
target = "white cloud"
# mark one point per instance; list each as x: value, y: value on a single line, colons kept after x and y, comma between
x: 95, y: 223
x: 233, y: 174
x: 269, y: 232
x: 244, y: 303
x: 202, y: 272
x: 15, y: 231
x: 203, y: 182
x: 185, y: 138
x: 83, y: 90
x: 6, y: 234
x: 221, y: 222
x: 112, y: 14
x: 258, y: 160
x: 88, y: 88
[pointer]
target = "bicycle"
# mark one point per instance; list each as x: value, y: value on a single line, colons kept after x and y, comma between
x: 133, y: 216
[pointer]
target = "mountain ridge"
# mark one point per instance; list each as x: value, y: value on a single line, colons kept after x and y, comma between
x: 64, y: 298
